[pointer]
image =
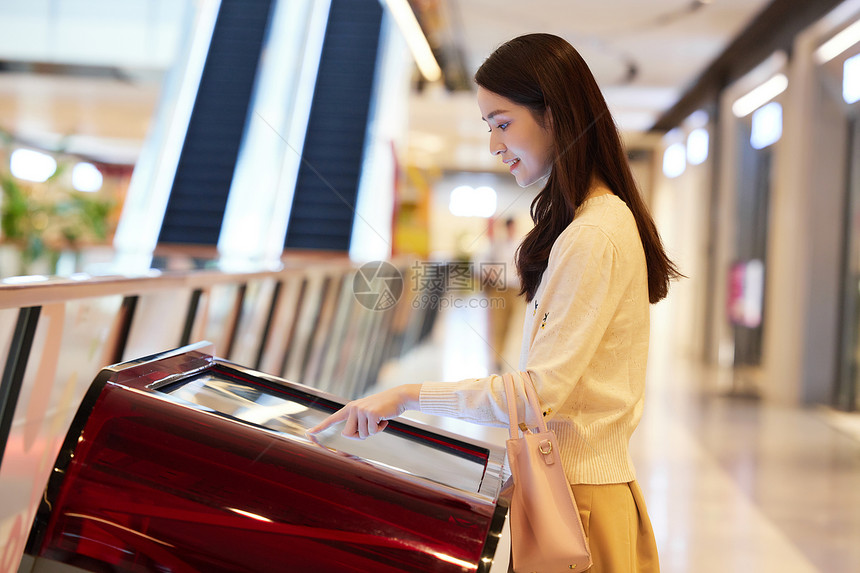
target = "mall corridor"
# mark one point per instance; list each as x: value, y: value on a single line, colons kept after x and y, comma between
x: 222, y: 220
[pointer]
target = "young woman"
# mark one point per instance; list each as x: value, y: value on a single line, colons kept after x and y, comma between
x: 588, y: 269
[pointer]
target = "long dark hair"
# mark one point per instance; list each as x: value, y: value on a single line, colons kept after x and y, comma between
x: 544, y: 72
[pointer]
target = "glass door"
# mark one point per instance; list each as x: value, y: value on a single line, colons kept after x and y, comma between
x: 747, y: 305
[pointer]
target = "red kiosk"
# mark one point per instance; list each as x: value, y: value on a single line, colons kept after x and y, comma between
x: 184, y: 462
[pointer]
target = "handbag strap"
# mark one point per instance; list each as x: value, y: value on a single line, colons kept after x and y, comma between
x: 531, y: 401
x: 510, y: 397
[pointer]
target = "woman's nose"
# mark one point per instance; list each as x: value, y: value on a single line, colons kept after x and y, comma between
x: 496, y: 146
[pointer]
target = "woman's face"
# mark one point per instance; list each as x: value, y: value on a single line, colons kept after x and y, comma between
x: 523, y: 144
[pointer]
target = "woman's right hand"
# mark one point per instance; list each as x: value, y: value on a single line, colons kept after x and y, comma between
x: 367, y: 416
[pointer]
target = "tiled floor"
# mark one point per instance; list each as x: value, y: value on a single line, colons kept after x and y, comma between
x: 731, y: 484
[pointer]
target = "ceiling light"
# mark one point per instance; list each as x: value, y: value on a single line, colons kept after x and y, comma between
x: 86, y: 177
x: 674, y: 160
x: 415, y: 38
x: 766, y: 125
x: 698, y: 118
x: 32, y: 165
x: 697, y: 146
x: 851, y: 79
x: 747, y: 104
x: 838, y: 43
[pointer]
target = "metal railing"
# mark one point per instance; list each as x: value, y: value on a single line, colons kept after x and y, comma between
x: 302, y: 322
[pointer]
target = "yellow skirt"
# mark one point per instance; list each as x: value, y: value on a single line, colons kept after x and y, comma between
x: 618, y: 529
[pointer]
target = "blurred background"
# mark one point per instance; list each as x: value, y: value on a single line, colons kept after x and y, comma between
x: 149, y: 133
x: 149, y: 136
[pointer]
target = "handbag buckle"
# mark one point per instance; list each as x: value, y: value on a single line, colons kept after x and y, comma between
x: 545, y: 447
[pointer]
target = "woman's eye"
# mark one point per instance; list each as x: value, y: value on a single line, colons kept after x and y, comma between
x: 504, y: 126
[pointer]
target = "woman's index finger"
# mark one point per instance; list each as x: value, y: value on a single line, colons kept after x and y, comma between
x: 339, y: 416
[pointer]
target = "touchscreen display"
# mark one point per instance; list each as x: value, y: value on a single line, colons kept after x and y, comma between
x: 398, y: 450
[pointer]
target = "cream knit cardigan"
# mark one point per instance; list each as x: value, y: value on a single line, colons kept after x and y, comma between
x: 585, y: 346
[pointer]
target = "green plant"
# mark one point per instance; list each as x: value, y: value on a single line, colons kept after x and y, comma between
x: 43, y: 219
x: 21, y: 218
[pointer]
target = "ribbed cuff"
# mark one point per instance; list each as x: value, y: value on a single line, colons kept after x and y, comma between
x: 439, y: 398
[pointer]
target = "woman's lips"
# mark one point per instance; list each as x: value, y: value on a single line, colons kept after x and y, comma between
x: 514, y: 164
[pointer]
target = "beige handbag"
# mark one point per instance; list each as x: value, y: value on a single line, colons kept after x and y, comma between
x: 546, y: 531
